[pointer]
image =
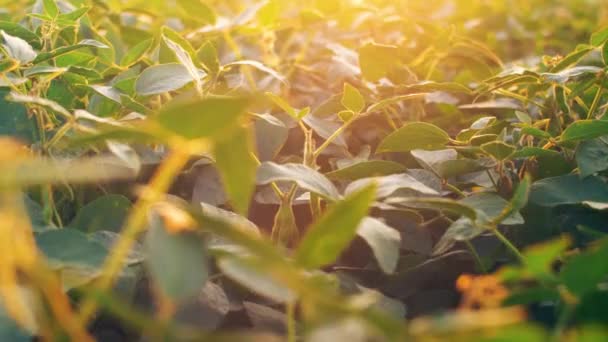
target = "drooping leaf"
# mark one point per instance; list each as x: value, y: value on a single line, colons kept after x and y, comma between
x: 392, y: 185
x: 365, y: 169
x: 18, y: 48
x: 383, y: 240
x: 302, y: 175
x: 334, y: 231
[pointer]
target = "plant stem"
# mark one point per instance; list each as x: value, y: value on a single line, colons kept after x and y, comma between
x: 509, y: 245
x: 291, y: 321
x: 596, y: 101
x: 135, y: 224
x: 333, y: 137
x: 476, y: 256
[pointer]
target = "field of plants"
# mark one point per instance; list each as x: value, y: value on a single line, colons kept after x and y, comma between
x: 303, y: 170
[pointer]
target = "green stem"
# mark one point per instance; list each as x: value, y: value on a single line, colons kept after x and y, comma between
x: 509, y: 245
x: 596, y: 101
x: 476, y: 256
x: 455, y: 189
x: 333, y: 137
x: 135, y: 224
x: 291, y: 321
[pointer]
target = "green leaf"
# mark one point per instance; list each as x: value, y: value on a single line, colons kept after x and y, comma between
x: 365, y: 169
x: 582, y: 273
x: 257, y: 281
x: 11, y: 331
x: 259, y: 66
x: 208, y: 55
x: 334, y: 231
x: 50, y: 8
x: 305, y: 177
x: 584, y: 130
x: 162, y: 78
x: 599, y: 37
x: 270, y: 136
x: 184, y: 53
x: 198, y: 10
x: 136, y: 53
x: 521, y: 194
x: 568, y: 189
x: 104, y: 213
x: 15, y: 120
x: 346, y: 115
x: 352, y: 99
x: 18, y: 48
x: 195, y: 117
x: 376, y: 60
x: 416, y: 135
x: 437, y: 203
x: 19, y: 31
x: 237, y: 168
x: 87, y: 43
x: 592, y: 156
x: 283, y: 105
x: 384, y: 241
x: 70, y: 248
x: 444, y: 163
x: 498, y: 150
x: 392, y: 185
x: 177, y: 262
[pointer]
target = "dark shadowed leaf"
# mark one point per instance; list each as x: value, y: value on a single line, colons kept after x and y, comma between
x: 592, y: 156
x: 569, y: 189
x: 384, y: 241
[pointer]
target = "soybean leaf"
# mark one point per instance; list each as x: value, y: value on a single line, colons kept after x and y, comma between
x: 302, y: 175
x: 377, y: 60
x: 104, y: 213
x: 498, y: 150
x: 18, y: 48
x: 177, y: 262
x: 195, y: 117
x: 592, y: 156
x: 383, y: 240
x: 162, y: 78
x: 365, y: 169
x: 136, y: 53
x: 568, y: 189
x: 70, y: 248
x: 584, y: 130
x: 19, y: 31
x: 237, y: 167
x: 392, y: 185
x: 417, y: 135
x: 334, y: 231
x: 87, y: 43
x: 352, y: 99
